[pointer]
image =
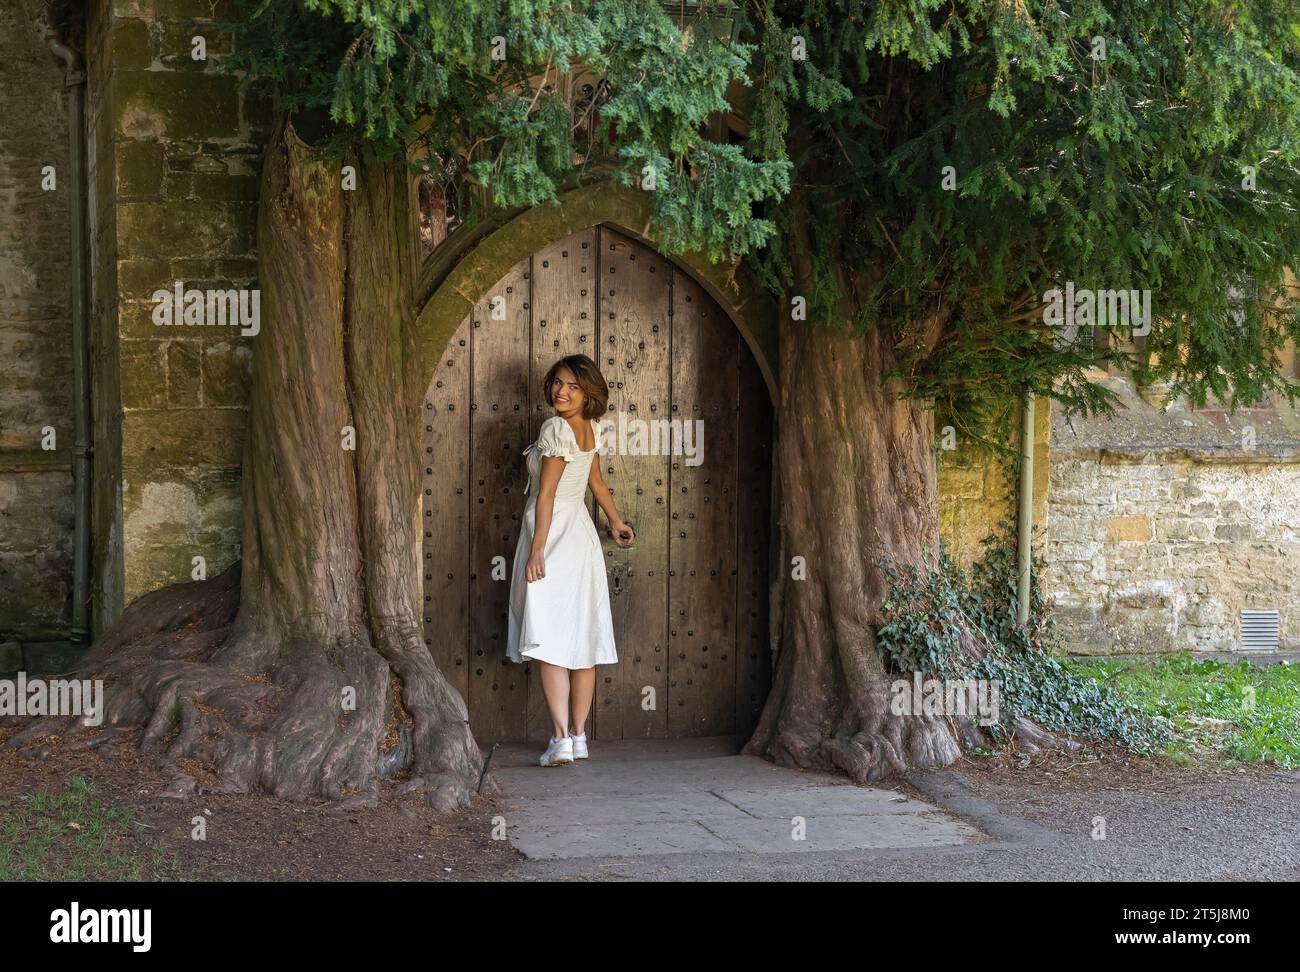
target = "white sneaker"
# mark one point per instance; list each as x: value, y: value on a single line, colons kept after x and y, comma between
x: 579, y: 746
x: 559, y: 752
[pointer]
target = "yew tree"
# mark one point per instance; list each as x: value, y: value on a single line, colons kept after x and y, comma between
x: 916, y: 176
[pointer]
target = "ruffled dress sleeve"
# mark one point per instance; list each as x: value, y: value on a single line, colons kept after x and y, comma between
x: 555, y: 438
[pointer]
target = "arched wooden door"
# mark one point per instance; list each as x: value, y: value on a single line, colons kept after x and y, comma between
x: 690, y: 599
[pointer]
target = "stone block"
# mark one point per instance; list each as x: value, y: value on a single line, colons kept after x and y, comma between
x: 1078, y: 551
x: 227, y: 373
x: 51, y: 657
x: 174, y: 45
x: 160, y: 229
x: 257, y: 110
x: 150, y: 568
x: 1122, y: 529
x: 139, y: 169
x: 130, y: 45
x: 1180, y: 529
x: 1236, y: 531
x: 183, y: 370
x: 225, y: 187
x: 155, y: 439
x: 144, y: 374
x: 174, y: 104
x: 1149, y: 598
x: 138, y: 279
x: 961, y: 482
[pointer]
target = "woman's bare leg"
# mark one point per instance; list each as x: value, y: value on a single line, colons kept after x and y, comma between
x: 555, y: 686
x: 582, y: 686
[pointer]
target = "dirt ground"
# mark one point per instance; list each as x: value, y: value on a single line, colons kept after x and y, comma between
x: 1097, y: 768
x: 258, y: 838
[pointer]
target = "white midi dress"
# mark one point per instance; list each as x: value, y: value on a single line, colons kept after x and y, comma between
x: 562, y: 618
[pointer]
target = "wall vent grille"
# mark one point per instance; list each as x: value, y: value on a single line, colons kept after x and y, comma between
x: 1259, y: 630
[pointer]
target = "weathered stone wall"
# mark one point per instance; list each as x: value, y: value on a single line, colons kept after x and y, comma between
x: 185, y: 151
x: 184, y: 147
x: 173, y: 160
x: 35, y: 333
x: 106, y: 432
x: 1162, y: 527
x: 977, y: 493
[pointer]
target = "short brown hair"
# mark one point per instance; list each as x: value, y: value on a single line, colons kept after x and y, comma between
x: 595, y: 390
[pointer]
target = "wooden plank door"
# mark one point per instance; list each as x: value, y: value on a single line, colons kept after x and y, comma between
x: 635, y: 302
x: 499, y: 400
x: 563, y: 291
x: 689, y: 600
x: 446, y: 516
x: 702, y: 541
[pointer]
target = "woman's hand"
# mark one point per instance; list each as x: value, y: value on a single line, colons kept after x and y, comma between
x: 623, y: 535
x: 536, y: 567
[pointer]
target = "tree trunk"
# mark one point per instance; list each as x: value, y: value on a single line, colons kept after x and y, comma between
x: 858, y: 482
x: 297, y: 672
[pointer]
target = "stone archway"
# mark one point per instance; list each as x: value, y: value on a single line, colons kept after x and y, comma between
x: 467, y: 264
x: 691, y: 608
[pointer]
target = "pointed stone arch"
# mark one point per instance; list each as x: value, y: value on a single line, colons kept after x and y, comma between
x: 463, y: 269
x: 453, y: 289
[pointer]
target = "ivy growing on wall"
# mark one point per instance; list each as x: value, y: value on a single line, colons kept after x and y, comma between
x: 927, y: 612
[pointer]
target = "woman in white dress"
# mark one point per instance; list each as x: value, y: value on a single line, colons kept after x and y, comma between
x: 559, y: 598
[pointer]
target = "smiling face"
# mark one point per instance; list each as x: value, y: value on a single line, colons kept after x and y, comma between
x: 574, y: 387
x: 566, y: 395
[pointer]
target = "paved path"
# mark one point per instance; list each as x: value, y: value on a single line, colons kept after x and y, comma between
x: 649, y: 800
x: 691, y: 810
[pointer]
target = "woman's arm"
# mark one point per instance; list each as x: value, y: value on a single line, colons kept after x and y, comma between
x: 623, y: 534
x: 552, y: 470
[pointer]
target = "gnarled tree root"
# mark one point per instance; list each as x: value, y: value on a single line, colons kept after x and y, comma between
x: 869, y: 741
x: 226, y: 708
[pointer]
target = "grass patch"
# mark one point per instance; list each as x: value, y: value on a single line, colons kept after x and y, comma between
x: 1242, y: 712
x: 73, y: 836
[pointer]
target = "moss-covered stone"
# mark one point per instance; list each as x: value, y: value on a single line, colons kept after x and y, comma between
x: 130, y: 45
x: 175, y: 9
x: 178, y: 185
x: 227, y: 187
x: 35, y: 550
x: 192, y: 507
x: 51, y: 657
x: 173, y: 44
x: 172, y: 104
x: 256, y: 110
x: 138, y: 279
x: 139, y: 169
x: 135, y: 321
x: 144, y: 371
x: 151, y: 567
x: 227, y: 373
x: 161, y: 229
x: 183, y: 383
x: 157, y: 440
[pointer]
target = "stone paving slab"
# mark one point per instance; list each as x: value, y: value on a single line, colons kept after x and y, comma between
x: 603, y: 777
x: 842, y: 833
x: 737, y: 804
x: 796, y: 800
x: 616, y: 840
x: 669, y: 807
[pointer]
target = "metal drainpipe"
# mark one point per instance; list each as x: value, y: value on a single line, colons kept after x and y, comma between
x: 75, y: 81
x: 1026, y: 510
